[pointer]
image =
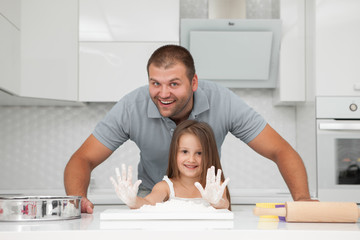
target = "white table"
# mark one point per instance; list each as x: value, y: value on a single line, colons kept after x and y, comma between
x: 244, y: 226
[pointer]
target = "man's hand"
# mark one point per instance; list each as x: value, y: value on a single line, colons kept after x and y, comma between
x: 124, y: 188
x: 214, y: 190
x: 86, y: 205
x: 306, y: 200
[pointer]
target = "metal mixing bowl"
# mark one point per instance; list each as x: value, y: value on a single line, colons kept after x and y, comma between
x: 30, y: 208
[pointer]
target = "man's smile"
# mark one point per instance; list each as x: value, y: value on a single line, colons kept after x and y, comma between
x: 166, y: 102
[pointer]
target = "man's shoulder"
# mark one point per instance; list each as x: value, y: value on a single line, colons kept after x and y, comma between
x: 142, y: 91
x: 137, y: 95
x: 214, y: 90
x: 211, y: 87
x: 136, y: 100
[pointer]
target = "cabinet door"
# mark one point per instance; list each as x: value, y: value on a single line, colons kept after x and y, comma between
x: 9, y: 57
x: 117, y: 38
x: 10, y: 9
x: 124, y: 20
x: 337, y: 48
x: 109, y: 70
x: 49, y: 49
x: 292, y: 55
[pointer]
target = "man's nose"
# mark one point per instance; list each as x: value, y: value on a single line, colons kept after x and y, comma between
x: 164, y: 92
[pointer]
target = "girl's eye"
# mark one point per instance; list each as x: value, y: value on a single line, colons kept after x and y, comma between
x: 184, y: 151
x: 198, y: 153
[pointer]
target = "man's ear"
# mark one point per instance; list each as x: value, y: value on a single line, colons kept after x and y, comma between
x: 194, y: 83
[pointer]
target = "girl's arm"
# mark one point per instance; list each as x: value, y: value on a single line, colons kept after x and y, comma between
x: 159, y: 193
x: 139, y: 202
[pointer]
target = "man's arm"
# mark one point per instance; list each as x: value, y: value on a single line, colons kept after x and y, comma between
x: 271, y: 145
x: 78, y: 169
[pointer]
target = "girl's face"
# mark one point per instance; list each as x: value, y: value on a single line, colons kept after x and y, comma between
x: 189, y: 156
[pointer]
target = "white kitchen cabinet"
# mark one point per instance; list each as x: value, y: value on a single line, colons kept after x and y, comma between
x: 49, y: 49
x: 109, y: 70
x: 292, y: 81
x: 117, y: 38
x: 337, y: 48
x: 124, y: 20
x: 9, y: 57
x: 10, y: 45
x: 116, y: 41
x: 10, y: 9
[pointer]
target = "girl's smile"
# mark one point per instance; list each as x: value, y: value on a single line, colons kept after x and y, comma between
x: 190, y: 166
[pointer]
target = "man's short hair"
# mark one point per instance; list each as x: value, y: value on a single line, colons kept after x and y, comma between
x: 169, y: 55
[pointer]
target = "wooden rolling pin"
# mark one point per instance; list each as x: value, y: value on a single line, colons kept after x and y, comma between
x: 340, y: 212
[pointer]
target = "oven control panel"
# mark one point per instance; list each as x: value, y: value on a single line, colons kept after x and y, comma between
x: 338, y: 107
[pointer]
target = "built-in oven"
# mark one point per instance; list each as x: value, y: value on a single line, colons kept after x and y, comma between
x: 338, y: 148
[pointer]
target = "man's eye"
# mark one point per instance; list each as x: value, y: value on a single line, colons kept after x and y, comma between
x: 156, y: 84
x: 173, y: 84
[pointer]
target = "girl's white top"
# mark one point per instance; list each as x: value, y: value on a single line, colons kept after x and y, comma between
x: 179, y: 204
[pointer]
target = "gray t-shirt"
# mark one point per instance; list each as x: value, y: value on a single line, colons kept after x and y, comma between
x: 136, y: 117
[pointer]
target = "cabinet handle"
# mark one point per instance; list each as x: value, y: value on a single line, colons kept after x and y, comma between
x: 357, y: 86
x: 339, y: 126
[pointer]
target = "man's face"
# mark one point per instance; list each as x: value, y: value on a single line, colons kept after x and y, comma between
x: 171, y: 91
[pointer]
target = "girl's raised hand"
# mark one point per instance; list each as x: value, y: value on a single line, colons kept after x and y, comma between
x: 124, y: 188
x: 214, y: 189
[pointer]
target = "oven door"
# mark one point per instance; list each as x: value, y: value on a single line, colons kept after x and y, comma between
x: 338, y: 159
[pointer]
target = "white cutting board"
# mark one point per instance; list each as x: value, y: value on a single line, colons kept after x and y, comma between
x: 137, y: 214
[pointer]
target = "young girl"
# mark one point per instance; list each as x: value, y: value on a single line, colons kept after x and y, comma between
x: 192, y: 150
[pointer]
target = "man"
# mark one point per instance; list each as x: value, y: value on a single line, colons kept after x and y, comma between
x: 149, y: 115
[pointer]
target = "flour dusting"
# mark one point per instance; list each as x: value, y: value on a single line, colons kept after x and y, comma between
x: 176, y: 205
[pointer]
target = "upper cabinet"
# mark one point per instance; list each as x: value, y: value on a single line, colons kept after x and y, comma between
x: 337, y: 48
x: 116, y: 40
x: 10, y: 45
x: 10, y: 9
x: 49, y: 49
x: 109, y: 70
x: 292, y: 79
x: 82, y: 50
x: 128, y: 21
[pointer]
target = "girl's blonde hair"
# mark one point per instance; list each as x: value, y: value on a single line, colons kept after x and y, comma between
x: 209, y: 156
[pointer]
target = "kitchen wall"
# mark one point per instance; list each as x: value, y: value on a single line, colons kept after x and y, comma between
x: 37, y: 141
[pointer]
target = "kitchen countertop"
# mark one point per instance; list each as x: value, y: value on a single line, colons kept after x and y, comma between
x: 244, y: 226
